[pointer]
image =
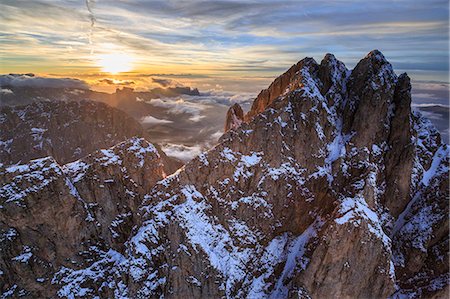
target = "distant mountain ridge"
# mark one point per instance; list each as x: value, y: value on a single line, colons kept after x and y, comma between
x: 27, y: 88
x: 190, y: 122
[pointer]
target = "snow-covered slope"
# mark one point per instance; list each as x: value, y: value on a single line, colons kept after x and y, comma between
x: 56, y: 218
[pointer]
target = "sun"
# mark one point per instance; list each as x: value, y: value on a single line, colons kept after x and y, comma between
x: 115, y: 62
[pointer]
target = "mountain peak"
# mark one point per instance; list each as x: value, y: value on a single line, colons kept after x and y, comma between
x: 324, y: 157
x: 344, y: 92
x: 376, y: 54
x: 375, y: 65
x: 329, y: 57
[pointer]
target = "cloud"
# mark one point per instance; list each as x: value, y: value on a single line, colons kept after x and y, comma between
x: 431, y: 115
x: 242, y: 98
x: 77, y: 91
x: 215, y: 136
x: 196, y: 118
x: 430, y: 93
x: 6, y: 91
x: 425, y: 95
x: 178, y: 75
x: 207, y: 37
x: 180, y: 106
x: 116, y: 82
x: 168, y: 82
x: 162, y: 82
x: 150, y: 120
x: 226, y: 98
x: 89, y: 4
x: 29, y: 80
x: 182, y: 152
x: 426, y: 105
x: 427, y: 85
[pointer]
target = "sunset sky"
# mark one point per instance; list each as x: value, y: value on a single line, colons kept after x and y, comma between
x: 231, y: 44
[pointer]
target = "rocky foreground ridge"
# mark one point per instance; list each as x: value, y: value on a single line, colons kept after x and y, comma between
x: 57, y: 218
x: 328, y: 187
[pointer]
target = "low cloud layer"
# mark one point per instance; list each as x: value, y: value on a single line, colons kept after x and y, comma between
x: 430, y: 93
x: 116, y: 82
x: 29, y: 80
x: 180, y: 106
x: 163, y: 82
x: 187, y: 124
x: 150, y: 120
x: 6, y: 91
x: 182, y: 152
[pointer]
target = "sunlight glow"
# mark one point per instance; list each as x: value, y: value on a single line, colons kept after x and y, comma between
x: 115, y: 62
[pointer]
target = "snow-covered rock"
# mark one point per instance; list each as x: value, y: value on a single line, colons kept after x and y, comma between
x: 57, y: 219
x: 328, y: 187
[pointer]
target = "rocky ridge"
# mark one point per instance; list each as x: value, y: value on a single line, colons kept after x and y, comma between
x: 235, y: 117
x: 328, y: 186
x: 65, y: 130
x: 55, y: 219
x: 305, y: 197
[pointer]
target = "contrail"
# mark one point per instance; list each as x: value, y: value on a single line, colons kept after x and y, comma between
x: 89, y: 4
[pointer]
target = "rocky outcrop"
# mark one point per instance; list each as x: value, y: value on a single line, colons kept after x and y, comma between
x: 65, y: 130
x: 400, y: 156
x: 420, y: 234
x: 277, y: 88
x: 56, y: 219
x: 328, y: 187
x: 235, y: 116
x: 312, y: 196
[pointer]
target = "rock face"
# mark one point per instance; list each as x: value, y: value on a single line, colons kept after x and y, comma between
x: 55, y: 219
x: 65, y: 130
x: 328, y: 187
x: 235, y: 117
x: 278, y: 87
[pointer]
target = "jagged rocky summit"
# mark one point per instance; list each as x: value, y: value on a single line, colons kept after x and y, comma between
x: 328, y: 187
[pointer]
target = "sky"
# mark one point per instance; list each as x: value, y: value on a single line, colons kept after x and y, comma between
x: 229, y: 50
x: 240, y: 45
